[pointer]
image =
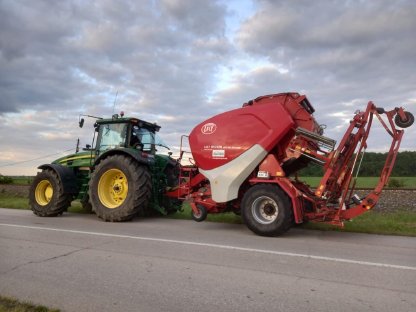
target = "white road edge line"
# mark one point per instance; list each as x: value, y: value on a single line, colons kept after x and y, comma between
x: 264, y: 251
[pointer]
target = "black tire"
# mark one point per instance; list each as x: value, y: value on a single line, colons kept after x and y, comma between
x: 46, y: 195
x: 410, y: 119
x: 266, y: 210
x: 201, y: 215
x: 119, y: 188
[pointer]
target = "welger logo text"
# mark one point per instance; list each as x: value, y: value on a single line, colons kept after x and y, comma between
x: 209, y: 128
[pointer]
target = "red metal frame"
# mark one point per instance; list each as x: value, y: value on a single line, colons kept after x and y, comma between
x: 337, y: 182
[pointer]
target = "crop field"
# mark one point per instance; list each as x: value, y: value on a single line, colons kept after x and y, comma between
x: 370, y: 182
x: 22, y: 180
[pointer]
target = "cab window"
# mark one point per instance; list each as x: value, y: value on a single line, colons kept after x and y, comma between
x: 112, y: 136
x: 145, y: 137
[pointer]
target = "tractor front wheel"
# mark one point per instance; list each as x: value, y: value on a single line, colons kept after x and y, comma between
x: 46, y: 195
x: 266, y: 210
x: 120, y: 188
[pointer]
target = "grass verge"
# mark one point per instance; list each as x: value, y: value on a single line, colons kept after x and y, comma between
x: 13, y: 305
x: 22, y: 202
x: 394, y: 223
x: 13, y: 201
x: 228, y: 217
x: 372, y: 222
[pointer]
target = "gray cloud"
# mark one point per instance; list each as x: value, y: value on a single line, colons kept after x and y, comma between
x: 339, y: 51
x: 177, y: 62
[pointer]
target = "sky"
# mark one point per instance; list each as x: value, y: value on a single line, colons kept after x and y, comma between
x: 179, y: 62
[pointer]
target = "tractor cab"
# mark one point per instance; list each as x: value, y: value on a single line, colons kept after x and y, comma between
x: 124, y: 132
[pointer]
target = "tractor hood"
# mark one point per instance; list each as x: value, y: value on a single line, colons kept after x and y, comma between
x: 83, y: 159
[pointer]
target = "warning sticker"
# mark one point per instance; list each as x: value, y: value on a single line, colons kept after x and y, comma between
x: 218, y: 153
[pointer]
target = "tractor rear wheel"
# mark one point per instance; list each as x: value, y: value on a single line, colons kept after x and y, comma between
x: 120, y: 188
x: 266, y: 210
x: 46, y: 195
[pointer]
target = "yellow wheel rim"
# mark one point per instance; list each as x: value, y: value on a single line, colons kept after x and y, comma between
x: 43, y: 192
x: 113, y: 188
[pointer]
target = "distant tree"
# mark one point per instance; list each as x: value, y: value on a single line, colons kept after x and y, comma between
x: 5, y: 179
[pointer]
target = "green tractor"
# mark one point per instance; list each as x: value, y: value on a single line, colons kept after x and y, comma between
x: 121, y: 177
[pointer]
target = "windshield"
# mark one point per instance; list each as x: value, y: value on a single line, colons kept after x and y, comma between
x: 112, y: 135
x: 148, y: 138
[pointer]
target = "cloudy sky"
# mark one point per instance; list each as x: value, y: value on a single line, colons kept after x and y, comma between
x: 178, y: 62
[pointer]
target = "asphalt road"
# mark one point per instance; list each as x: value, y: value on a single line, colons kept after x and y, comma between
x: 78, y: 263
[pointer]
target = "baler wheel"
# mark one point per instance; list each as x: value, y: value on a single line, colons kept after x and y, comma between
x: 266, y: 210
x: 201, y: 215
x: 407, y: 123
x: 120, y: 188
x: 46, y: 195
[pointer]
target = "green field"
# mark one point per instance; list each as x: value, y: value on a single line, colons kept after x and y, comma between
x: 22, y: 180
x: 16, y: 180
x: 368, y: 182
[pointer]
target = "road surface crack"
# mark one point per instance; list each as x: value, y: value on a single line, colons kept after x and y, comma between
x: 43, y: 260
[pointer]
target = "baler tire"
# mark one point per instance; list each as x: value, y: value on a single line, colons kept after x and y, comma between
x: 267, y: 210
x: 46, y: 195
x: 120, y: 188
x: 201, y: 216
x: 410, y: 119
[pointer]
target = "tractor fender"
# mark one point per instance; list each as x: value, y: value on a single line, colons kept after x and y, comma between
x: 66, y: 175
x: 142, y: 158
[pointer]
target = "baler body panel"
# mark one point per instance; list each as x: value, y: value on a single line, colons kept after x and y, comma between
x: 226, y: 180
x: 224, y: 137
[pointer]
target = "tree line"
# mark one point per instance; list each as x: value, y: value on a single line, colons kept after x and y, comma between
x: 372, y: 165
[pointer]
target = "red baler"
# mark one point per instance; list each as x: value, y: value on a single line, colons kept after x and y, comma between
x: 246, y: 160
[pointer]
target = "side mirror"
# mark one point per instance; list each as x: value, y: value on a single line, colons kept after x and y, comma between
x: 81, y: 122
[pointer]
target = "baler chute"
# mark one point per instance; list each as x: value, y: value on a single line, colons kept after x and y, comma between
x: 246, y: 161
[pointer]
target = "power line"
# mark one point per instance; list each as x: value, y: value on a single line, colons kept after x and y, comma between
x: 25, y: 161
